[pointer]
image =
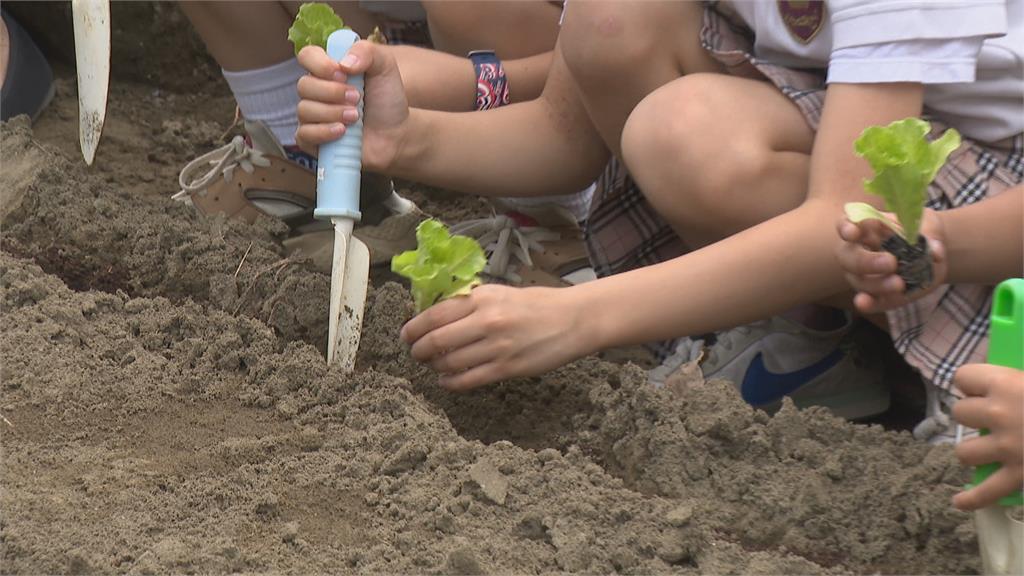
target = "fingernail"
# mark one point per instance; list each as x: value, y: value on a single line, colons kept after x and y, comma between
x: 349, y: 61
x: 352, y: 96
x: 337, y: 129
x: 340, y: 77
x: 350, y: 115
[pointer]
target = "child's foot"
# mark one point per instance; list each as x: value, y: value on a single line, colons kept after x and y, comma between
x: 535, y: 246
x: 776, y: 358
x: 255, y: 176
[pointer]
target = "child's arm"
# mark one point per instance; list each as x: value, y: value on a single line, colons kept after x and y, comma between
x: 438, y: 81
x: 544, y: 146
x: 994, y: 400
x: 981, y: 243
x: 985, y: 241
x: 777, y: 265
x: 784, y: 262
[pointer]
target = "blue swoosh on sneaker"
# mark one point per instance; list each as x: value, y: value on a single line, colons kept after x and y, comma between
x: 761, y: 386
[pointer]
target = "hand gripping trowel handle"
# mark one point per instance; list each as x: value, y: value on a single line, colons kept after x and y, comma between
x: 337, y: 199
x: 341, y: 161
x: 1000, y: 535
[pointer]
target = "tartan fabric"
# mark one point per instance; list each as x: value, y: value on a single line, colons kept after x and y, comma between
x: 936, y: 334
x: 412, y: 33
x: 624, y: 232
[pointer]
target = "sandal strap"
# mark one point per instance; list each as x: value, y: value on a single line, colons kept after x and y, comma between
x: 198, y: 174
x: 504, y: 239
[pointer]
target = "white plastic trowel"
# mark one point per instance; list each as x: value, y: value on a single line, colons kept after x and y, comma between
x: 337, y: 199
x: 92, y: 58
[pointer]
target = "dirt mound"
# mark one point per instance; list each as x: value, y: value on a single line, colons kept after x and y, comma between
x: 83, y: 229
x: 144, y: 417
x: 802, y: 481
x: 170, y: 411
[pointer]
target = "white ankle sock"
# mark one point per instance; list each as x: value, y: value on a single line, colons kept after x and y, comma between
x: 270, y: 95
x: 578, y: 203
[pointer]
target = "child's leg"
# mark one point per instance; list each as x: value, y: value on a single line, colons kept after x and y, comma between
x: 249, y: 40
x: 513, y: 29
x: 249, y: 35
x: 717, y: 154
x: 619, y: 52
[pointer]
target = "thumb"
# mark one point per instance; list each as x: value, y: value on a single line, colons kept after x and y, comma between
x: 365, y: 57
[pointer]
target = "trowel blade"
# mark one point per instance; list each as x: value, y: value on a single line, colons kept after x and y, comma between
x: 353, y: 302
x: 338, y: 258
x: 350, y: 271
x: 92, y: 56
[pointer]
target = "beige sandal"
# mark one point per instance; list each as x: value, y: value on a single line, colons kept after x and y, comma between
x: 247, y: 178
x: 540, y: 246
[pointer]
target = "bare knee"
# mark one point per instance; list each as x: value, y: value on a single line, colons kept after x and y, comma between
x: 614, y: 41
x: 688, y: 160
x: 523, y: 28
x: 605, y: 41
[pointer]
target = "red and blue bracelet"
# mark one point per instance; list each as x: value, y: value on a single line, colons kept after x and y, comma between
x: 491, y: 83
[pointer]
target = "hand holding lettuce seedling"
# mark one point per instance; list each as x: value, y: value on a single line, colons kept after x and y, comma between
x: 904, y: 163
x: 873, y: 272
x: 442, y: 266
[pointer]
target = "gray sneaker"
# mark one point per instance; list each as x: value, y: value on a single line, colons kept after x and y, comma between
x: 775, y: 358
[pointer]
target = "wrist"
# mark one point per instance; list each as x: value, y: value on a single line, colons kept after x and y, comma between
x: 412, y: 145
x: 592, y: 332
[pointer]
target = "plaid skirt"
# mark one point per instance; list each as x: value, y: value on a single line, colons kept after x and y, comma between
x: 936, y: 334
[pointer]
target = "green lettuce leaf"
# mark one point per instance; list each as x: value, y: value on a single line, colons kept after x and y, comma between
x: 861, y: 211
x: 313, y: 24
x: 905, y: 163
x: 442, y: 265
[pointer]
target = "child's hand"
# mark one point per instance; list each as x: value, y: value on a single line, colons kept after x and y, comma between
x: 496, y: 333
x: 995, y: 400
x: 871, y: 271
x: 328, y: 104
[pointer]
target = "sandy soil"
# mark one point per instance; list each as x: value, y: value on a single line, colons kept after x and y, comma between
x: 170, y: 411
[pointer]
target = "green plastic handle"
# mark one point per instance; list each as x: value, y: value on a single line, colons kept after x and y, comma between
x: 1005, y: 348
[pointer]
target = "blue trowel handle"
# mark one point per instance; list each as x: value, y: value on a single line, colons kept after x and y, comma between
x: 340, y: 162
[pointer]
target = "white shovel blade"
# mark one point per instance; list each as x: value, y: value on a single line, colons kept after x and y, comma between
x: 92, y: 55
x: 1001, y: 538
x: 350, y: 272
x: 353, y: 302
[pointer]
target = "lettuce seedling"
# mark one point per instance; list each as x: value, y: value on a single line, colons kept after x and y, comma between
x: 441, y: 266
x: 905, y: 163
x: 313, y: 24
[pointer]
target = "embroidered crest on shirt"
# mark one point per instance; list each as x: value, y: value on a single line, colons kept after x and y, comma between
x: 803, y: 18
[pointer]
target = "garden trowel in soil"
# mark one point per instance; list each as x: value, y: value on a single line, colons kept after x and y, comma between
x: 92, y: 57
x: 337, y: 199
x: 1001, y: 527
